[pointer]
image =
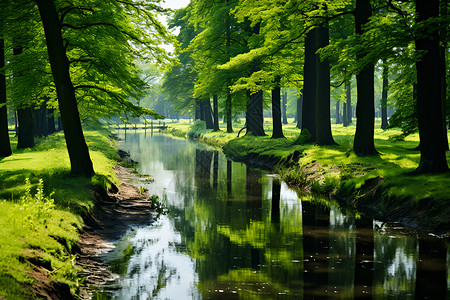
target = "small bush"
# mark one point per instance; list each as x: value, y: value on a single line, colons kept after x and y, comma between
x: 197, y: 129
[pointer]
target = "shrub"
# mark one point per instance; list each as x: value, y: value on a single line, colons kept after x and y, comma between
x: 197, y: 129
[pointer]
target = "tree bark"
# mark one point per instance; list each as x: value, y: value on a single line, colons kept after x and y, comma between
x: 344, y: 115
x: 80, y: 160
x: 228, y: 113
x: 309, y: 85
x: 429, y: 98
x: 25, y: 137
x: 254, y: 116
x: 365, y: 111
x: 5, y: 145
x: 348, y: 91
x: 443, y: 51
x: 384, y: 121
x: 216, y: 113
x: 338, y: 117
x: 299, y: 109
x: 284, y: 108
x: 276, y: 114
x: 323, y: 122
x: 207, y: 113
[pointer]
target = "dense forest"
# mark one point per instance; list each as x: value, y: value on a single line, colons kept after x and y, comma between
x: 244, y: 52
x: 82, y: 60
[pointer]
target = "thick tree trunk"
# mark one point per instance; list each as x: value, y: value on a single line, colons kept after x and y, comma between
x: 284, y: 108
x: 338, y: 117
x: 429, y: 98
x: 216, y: 113
x: 344, y: 115
x: 25, y: 137
x: 299, y: 109
x: 198, y: 110
x: 228, y: 113
x: 207, y: 113
x: 365, y: 110
x: 323, y: 122
x: 276, y: 114
x: 255, y: 118
x: 5, y: 146
x: 348, y: 91
x: 384, y: 121
x: 80, y: 160
x: 309, y: 85
x: 443, y: 51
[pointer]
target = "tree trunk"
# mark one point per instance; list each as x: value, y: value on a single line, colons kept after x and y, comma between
x: 309, y: 85
x: 429, y: 99
x: 25, y: 137
x: 255, y: 120
x: 254, y: 116
x: 228, y: 113
x: 384, y: 121
x: 5, y: 146
x: 80, y: 160
x: 207, y: 113
x: 344, y: 115
x: 348, y: 91
x: 284, y: 108
x: 365, y: 110
x: 216, y: 113
x: 276, y: 114
x: 338, y: 119
x: 198, y: 110
x: 299, y: 109
x: 323, y: 122
x: 443, y: 51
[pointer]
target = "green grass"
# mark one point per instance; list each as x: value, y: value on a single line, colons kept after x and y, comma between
x: 41, y: 217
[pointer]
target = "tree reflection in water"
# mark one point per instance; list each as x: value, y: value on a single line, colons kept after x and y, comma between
x: 238, y: 233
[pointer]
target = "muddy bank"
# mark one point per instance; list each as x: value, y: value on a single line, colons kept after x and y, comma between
x: 115, y: 213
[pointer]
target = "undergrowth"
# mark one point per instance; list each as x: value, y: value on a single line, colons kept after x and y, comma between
x: 41, y: 205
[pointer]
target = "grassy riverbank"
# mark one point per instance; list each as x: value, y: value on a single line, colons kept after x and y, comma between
x: 40, y: 216
x: 380, y: 184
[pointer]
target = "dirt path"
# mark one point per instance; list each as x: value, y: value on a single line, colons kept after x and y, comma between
x: 113, y: 216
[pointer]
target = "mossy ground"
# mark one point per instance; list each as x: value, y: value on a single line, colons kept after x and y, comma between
x: 31, y: 239
x: 336, y: 170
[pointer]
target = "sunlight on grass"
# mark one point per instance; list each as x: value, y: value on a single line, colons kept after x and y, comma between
x: 40, y: 218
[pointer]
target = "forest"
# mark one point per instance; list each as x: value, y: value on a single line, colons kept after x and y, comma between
x: 254, y: 68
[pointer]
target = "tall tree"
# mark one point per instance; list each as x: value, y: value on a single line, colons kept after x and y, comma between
x: 80, y: 160
x: 310, y: 84
x: 254, y: 114
x: 5, y: 146
x: 276, y: 112
x: 323, y: 122
x: 365, y: 111
x: 384, y: 94
x: 429, y: 101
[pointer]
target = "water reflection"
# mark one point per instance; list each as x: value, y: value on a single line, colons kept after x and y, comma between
x: 238, y: 233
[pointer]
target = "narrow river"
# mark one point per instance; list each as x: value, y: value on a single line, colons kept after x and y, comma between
x: 232, y: 232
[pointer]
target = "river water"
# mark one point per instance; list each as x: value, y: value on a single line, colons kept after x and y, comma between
x: 232, y: 232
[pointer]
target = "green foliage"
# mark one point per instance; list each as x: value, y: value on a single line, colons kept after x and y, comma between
x: 41, y: 206
x: 197, y: 129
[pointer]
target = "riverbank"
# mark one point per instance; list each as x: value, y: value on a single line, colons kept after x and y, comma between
x: 54, y: 223
x: 381, y: 186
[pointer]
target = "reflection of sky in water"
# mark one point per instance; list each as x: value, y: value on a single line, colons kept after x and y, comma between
x: 158, y: 270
